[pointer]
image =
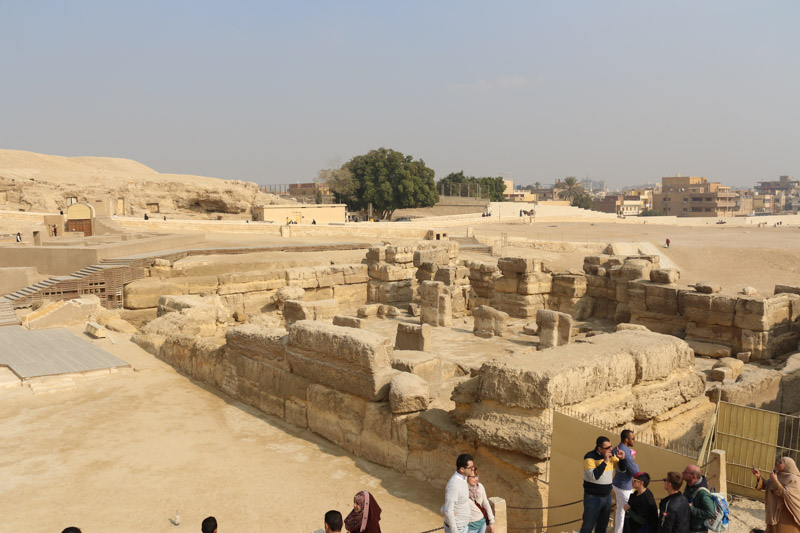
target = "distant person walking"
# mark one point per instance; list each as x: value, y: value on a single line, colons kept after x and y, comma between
x: 598, y: 473
x: 146, y: 217
x: 19, y: 237
x: 623, y: 479
x: 667, y: 242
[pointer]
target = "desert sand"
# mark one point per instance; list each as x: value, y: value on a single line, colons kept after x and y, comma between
x: 124, y: 452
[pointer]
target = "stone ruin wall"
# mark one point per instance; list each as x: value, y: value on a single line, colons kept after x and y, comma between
x: 358, y: 390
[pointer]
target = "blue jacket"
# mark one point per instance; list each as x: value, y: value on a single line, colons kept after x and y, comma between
x: 624, y: 476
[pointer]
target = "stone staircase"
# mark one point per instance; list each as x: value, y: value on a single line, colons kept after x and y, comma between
x: 7, y: 315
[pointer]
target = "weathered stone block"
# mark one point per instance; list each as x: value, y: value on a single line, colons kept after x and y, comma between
x: 520, y: 265
x: 408, y: 393
x: 489, y: 322
x: 665, y: 275
x: 96, y: 330
x: 413, y: 337
x: 555, y: 328
x: 295, y: 310
x: 348, y: 321
x: 144, y: 293
x: 347, y: 359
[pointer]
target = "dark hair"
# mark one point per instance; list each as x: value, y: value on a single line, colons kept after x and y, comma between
x: 675, y: 479
x: 644, y: 477
x: 600, y: 441
x: 209, y: 525
x: 625, y: 434
x: 463, y: 461
x: 334, y: 520
x: 71, y: 529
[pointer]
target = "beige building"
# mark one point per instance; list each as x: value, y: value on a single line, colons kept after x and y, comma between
x: 301, y: 213
x: 690, y: 196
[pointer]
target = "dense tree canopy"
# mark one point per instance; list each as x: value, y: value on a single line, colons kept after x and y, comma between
x: 571, y: 188
x: 457, y: 184
x: 385, y: 178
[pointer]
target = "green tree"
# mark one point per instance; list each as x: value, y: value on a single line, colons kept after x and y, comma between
x: 487, y: 187
x: 339, y: 180
x: 388, y: 180
x: 582, y: 200
x: 537, y: 185
x: 571, y: 187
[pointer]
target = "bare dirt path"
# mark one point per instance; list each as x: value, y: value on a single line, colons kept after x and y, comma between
x: 122, y: 453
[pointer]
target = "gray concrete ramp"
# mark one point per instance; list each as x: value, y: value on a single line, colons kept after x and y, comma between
x: 31, y: 354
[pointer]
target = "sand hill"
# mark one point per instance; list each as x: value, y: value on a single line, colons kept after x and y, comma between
x: 39, y: 182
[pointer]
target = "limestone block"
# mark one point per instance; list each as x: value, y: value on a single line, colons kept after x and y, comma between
x: 426, y: 365
x: 376, y: 254
x: 295, y: 310
x: 622, y: 313
x: 651, y: 400
x: 296, y: 413
x: 727, y: 335
x: 661, y: 299
x: 413, y: 309
x: 413, y: 337
x: 507, y: 283
x: 355, y: 274
x: 579, y: 308
x: 201, y: 285
x: 144, y: 293
x: 530, y: 329
x: 95, y: 330
x: 761, y: 314
x: 121, y: 326
x: 630, y: 327
x: 524, y: 434
x: 328, y: 276
x: 743, y: 356
x: 366, y: 311
x: 244, y: 282
x: 570, y: 285
x: 520, y: 265
x: 748, y: 291
x: 555, y: 328
x: 721, y: 373
x: 736, y: 366
x: 519, y: 305
x: 288, y: 293
x: 709, y: 349
x: 347, y: 359
x: 447, y: 275
x: 384, y: 439
x: 104, y: 316
x: 489, y: 322
x: 635, y: 269
x: 790, y: 385
x: 305, y: 277
x: 756, y: 387
x: 355, y: 294
x: 388, y: 311
x: 400, y: 254
x: 437, y: 256
x: 390, y: 272
x: 709, y: 308
x: 424, y: 274
x: 348, y: 321
x: 659, y: 322
x: 665, y: 275
x: 567, y: 375
x: 390, y: 292
x: 259, y: 344
x: 337, y: 416
x: 535, y: 283
x: 408, y: 393
x: 707, y: 287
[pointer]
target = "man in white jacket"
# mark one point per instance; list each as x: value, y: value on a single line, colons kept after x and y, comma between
x: 456, y: 508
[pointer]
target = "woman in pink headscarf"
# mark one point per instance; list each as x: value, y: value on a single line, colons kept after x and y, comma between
x: 782, y: 496
x: 365, y: 516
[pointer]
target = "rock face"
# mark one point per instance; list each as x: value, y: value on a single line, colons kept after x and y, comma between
x: 63, y: 313
x: 38, y: 182
x: 408, y: 393
x: 295, y: 310
x: 554, y: 328
x: 522, y: 288
x: 412, y: 337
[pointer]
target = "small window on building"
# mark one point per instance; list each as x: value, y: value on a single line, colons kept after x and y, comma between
x: 72, y: 200
x: 153, y: 208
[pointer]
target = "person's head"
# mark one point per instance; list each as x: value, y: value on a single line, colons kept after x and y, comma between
x: 71, y: 529
x: 691, y: 474
x: 627, y: 438
x: 641, y: 478
x: 602, y: 444
x: 209, y: 525
x: 472, y: 477
x: 333, y: 522
x: 465, y: 464
x: 358, y: 502
x: 673, y: 482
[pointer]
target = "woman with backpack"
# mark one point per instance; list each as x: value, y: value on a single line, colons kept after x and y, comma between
x: 782, y: 496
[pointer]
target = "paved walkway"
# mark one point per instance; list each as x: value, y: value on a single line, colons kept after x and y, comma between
x: 31, y: 354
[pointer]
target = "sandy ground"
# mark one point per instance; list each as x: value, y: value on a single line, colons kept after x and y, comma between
x: 124, y: 452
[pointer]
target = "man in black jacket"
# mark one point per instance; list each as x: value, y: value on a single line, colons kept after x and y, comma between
x: 673, y: 516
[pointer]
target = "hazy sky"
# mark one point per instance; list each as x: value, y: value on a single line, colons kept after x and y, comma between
x: 626, y: 91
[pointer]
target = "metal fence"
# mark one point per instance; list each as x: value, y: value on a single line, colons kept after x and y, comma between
x: 753, y: 438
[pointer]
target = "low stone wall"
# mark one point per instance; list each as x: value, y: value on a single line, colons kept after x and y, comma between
x: 254, y: 292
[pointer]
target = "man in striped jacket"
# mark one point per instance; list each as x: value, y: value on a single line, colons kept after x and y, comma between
x: 598, y: 473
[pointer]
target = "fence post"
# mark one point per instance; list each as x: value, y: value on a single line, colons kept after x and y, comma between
x: 716, y: 474
x: 500, y: 515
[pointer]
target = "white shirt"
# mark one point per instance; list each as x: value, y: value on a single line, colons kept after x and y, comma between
x: 456, y: 508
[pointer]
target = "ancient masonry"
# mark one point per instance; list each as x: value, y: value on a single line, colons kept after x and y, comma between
x: 374, y: 395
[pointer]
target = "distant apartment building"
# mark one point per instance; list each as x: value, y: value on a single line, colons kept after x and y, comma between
x: 785, y: 190
x: 691, y: 196
x: 590, y: 185
x: 622, y: 204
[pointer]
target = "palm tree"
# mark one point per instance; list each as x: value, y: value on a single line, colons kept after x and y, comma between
x: 570, y: 188
x: 538, y: 185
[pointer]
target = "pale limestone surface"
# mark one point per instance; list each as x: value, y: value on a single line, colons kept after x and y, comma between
x: 408, y: 393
